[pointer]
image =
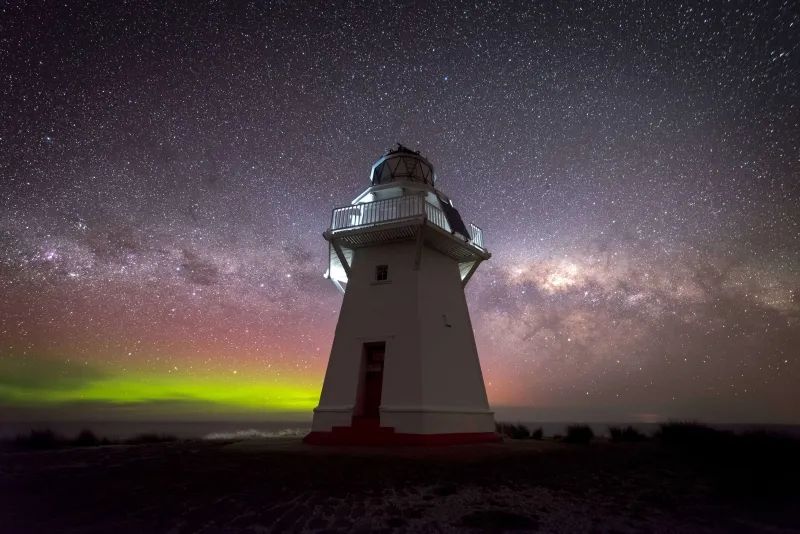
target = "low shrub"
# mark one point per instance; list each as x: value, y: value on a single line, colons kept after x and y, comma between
x: 537, y: 434
x: 46, y: 439
x: 757, y: 466
x: 87, y: 438
x: 581, y: 434
x: 627, y: 434
x: 513, y: 431
x: 39, y: 440
x: 142, y: 439
x: 692, y: 434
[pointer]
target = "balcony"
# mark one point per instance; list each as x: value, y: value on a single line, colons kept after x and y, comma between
x: 399, y: 213
x: 396, y: 219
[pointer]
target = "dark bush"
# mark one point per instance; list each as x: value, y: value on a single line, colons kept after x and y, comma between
x: 628, y: 434
x: 755, y: 466
x: 39, y: 440
x: 142, y: 439
x: 770, y: 443
x: 47, y: 439
x: 537, y: 434
x: 513, y: 431
x: 693, y: 435
x: 86, y: 438
x: 579, y: 434
x: 767, y: 465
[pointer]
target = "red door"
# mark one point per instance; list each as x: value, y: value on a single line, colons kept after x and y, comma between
x: 373, y: 380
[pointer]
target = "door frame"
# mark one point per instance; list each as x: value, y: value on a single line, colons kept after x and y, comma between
x: 366, y: 350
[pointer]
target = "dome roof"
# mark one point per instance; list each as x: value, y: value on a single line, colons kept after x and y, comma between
x: 402, y: 164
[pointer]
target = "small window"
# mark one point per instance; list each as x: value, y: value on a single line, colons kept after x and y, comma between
x: 382, y: 273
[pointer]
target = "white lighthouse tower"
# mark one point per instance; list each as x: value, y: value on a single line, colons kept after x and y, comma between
x: 404, y: 367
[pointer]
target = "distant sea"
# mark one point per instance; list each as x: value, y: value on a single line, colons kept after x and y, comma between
x: 273, y: 429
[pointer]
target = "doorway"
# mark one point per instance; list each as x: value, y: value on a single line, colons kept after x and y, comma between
x: 373, y: 380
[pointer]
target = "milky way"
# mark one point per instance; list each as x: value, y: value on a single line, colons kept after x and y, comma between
x: 167, y: 172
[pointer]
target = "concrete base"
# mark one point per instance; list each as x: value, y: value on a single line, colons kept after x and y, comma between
x: 386, y: 437
x: 411, y: 420
x: 368, y: 431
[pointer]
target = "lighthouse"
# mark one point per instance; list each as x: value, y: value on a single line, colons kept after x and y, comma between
x: 404, y: 366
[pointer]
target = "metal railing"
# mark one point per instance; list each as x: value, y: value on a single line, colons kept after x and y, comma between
x: 380, y: 211
x: 437, y: 217
x: 395, y: 209
x: 476, y: 235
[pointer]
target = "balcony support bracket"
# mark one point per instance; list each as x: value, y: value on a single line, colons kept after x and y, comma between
x: 338, y: 286
x: 470, y: 273
x: 342, y: 259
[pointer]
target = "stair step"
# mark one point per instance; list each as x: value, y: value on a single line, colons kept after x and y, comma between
x: 386, y: 436
x: 366, y: 423
x: 362, y: 431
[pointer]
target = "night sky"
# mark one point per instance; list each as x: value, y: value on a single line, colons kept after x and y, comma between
x: 167, y: 170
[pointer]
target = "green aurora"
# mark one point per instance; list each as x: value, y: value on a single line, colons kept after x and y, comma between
x: 50, y: 384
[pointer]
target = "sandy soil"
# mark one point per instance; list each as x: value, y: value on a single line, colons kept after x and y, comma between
x: 281, y: 485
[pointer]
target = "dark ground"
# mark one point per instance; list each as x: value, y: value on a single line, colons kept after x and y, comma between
x: 282, y: 485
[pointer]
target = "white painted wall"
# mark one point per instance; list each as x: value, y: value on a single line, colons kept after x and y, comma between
x: 432, y: 381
